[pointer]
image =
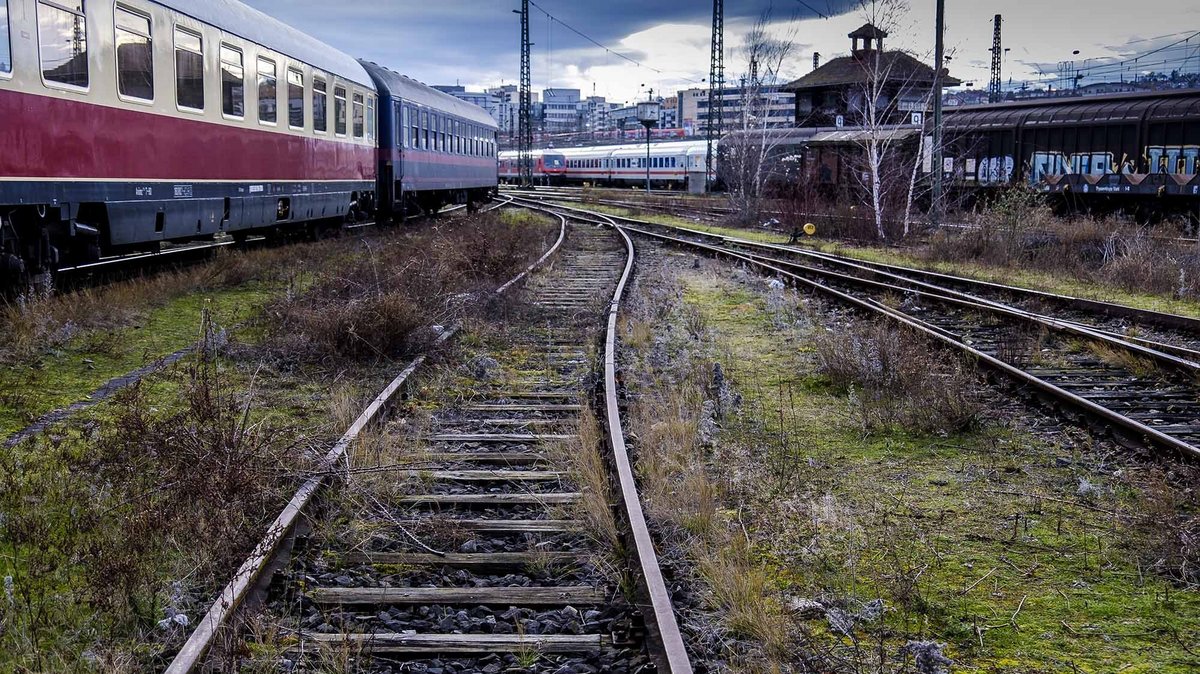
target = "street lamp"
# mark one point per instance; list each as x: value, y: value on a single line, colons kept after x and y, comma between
x: 648, y: 114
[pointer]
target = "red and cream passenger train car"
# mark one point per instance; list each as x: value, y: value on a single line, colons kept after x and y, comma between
x: 129, y: 123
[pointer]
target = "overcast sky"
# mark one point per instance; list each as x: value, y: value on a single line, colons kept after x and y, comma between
x: 476, y: 42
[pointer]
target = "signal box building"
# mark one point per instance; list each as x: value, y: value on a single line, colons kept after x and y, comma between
x: 835, y: 94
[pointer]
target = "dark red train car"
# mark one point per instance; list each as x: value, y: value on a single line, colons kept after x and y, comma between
x: 133, y: 123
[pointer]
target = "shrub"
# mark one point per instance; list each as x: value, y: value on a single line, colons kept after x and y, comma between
x: 372, y: 303
x: 898, y: 379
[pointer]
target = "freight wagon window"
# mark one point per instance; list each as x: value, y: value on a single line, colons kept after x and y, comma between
x: 5, y: 48
x: 320, y: 105
x: 62, y: 34
x: 233, y: 82
x: 295, y: 98
x: 339, y: 110
x: 189, y: 69
x: 360, y: 126
x: 268, y: 91
x: 135, y: 55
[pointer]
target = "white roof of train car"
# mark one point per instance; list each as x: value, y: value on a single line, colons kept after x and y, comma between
x: 412, y: 91
x: 239, y: 19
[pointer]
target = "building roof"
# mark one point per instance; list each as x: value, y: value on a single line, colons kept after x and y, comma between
x: 848, y: 70
x: 868, y: 31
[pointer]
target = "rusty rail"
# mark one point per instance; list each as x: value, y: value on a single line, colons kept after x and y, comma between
x: 252, y: 569
x: 662, y: 613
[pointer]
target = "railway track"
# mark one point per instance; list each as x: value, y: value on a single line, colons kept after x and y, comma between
x: 483, y: 558
x: 1140, y: 389
x: 711, y: 210
x: 178, y: 255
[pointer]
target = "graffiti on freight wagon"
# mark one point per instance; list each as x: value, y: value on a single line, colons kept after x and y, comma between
x: 1183, y: 160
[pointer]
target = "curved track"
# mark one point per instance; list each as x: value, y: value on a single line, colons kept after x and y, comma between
x: 483, y: 557
x: 1141, y: 389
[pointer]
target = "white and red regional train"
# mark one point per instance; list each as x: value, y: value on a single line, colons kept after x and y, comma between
x: 672, y: 164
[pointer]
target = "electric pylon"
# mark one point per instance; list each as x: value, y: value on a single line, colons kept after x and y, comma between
x: 525, y: 132
x: 716, y: 82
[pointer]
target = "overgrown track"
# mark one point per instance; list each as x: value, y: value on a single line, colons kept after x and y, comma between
x: 116, y: 267
x: 484, y: 557
x: 1140, y: 389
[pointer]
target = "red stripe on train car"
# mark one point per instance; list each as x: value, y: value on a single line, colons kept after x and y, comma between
x: 45, y: 137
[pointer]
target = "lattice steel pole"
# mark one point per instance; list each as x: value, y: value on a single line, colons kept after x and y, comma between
x: 525, y: 130
x: 994, y: 94
x: 716, y: 82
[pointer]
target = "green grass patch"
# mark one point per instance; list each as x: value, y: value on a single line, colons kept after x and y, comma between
x: 980, y: 540
x: 64, y: 375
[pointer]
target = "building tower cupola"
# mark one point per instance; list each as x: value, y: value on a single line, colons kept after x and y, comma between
x: 866, y: 39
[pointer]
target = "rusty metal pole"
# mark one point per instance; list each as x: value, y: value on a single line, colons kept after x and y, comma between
x: 939, y: 60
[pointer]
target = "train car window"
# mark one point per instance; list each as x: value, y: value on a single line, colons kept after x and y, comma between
x: 339, y: 110
x: 62, y: 35
x: 5, y: 46
x: 445, y: 135
x: 295, y: 85
x: 189, y: 69
x: 416, y: 127
x: 268, y: 91
x: 135, y: 55
x: 370, y: 118
x: 360, y: 126
x: 403, y: 127
x: 424, y: 129
x: 233, y: 82
x: 320, y: 105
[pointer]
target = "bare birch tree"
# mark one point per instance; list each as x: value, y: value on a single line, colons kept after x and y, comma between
x: 747, y: 159
x: 889, y: 84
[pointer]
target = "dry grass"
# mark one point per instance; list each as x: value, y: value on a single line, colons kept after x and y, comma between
x: 34, y: 322
x: 897, y: 381
x: 174, y: 495
x: 1019, y: 230
x: 176, y: 477
x: 587, y: 468
x: 372, y: 305
x: 670, y: 424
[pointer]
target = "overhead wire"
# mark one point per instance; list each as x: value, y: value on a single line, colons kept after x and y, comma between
x: 608, y: 50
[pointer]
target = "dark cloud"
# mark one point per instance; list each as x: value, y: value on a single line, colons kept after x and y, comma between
x: 448, y: 40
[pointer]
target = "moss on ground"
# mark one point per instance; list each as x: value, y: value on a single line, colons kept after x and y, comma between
x: 68, y: 374
x: 978, y: 540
